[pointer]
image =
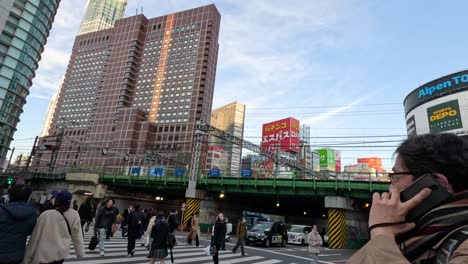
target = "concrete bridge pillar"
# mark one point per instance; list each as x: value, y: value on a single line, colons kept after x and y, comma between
x: 337, y: 231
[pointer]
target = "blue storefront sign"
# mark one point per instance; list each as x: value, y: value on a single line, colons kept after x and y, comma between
x: 135, y: 171
x: 179, y: 172
x: 215, y: 172
x: 157, y: 172
x: 246, y: 173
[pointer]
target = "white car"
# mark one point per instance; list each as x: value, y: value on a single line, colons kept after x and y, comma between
x: 297, y: 234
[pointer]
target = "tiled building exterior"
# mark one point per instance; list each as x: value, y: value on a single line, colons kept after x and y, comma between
x: 137, y: 87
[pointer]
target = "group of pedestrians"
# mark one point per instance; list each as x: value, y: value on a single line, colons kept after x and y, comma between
x: 55, y: 228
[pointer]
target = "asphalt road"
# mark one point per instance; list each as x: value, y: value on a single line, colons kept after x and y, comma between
x: 116, y: 252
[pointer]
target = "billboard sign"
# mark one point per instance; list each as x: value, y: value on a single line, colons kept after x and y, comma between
x: 327, y: 159
x: 284, y: 132
x: 262, y: 167
x: 246, y: 173
x: 449, y: 84
x: 444, y: 117
x: 135, y: 171
x: 157, y: 172
x: 215, y: 172
x: 179, y: 171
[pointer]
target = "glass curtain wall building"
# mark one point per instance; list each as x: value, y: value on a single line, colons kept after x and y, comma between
x: 101, y: 14
x: 24, y: 27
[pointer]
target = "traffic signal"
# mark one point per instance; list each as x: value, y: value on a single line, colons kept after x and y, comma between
x: 10, y: 180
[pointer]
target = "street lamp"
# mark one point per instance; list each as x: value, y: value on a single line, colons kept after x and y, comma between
x: 221, y: 195
x: 305, y: 213
x: 277, y: 204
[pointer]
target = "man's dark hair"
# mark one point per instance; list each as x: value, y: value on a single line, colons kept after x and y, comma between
x: 437, y: 153
x: 173, y: 210
x: 20, y: 193
x: 136, y: 207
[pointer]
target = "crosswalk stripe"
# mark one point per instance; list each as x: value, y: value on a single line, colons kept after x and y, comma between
x: 271, y: 261
x: 240, y: 260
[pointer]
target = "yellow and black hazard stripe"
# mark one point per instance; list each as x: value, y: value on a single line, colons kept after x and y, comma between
x: 336, y: 228
x: 192, y: 206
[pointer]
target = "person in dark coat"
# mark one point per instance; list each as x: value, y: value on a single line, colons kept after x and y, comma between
x: 86, y: 214
x: 134, y: 229
x: 241, y: 235
x: 17, y: 221
x: 126, y: 219
x: 105, y: 218
x: 173, y: 221
x: 219, y: 235
x: 75, y: 205
x: 160, y: 236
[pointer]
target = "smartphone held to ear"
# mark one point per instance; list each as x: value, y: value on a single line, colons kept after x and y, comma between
x: 438, y: 195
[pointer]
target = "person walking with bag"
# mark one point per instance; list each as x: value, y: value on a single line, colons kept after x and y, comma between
x: 241, y: 234
x: 195, y: 229
x: 315, y: 241
x: 219, y: 235
x: 160, y: 237
x: 55, y: 230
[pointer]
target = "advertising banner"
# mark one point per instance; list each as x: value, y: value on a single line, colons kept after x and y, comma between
x: 337, y: 161
x: 284, y: 132
x: 327, y: 159
x: 444, y: 117
x: 262, y: 167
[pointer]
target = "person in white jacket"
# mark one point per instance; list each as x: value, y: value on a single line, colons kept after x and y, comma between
x: 55, y: 229
x: 315, y: 241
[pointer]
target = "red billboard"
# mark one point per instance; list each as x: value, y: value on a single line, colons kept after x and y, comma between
x: 285, y: 132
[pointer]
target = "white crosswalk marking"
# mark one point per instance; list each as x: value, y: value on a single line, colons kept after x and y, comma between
x: 116, y: 252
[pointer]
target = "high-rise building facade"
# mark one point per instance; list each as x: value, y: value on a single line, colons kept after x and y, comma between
x: 138, y: 87
x: 99, y: 15
x: 229, y: 118
x: 24, y: 27
x: 102, y: 14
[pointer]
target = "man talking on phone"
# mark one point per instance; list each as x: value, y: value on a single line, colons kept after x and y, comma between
x: 438, y: 235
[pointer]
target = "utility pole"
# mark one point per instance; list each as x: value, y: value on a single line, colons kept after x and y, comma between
x: 33, y: 152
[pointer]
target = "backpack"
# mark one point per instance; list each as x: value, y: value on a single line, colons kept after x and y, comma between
x: 171, y: 241
x: 450, y: 244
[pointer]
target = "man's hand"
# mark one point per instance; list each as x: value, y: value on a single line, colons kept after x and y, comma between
x: 387, y: 208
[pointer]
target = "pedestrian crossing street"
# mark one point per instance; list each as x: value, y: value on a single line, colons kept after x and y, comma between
x: 116, y: 252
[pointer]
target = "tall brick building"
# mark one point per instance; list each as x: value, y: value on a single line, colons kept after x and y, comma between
x: 137, y: 87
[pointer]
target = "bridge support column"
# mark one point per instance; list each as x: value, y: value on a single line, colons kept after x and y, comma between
x: 337, y: 231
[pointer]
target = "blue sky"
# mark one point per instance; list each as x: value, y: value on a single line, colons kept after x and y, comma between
x: 344, y: 67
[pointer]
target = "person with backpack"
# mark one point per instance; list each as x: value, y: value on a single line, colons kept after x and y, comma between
x: 17, y: 221
x: 219, y: 234
x: 134, y: 229
x: 50, y: 241
x: 440, y: 235
x: 161, y: 239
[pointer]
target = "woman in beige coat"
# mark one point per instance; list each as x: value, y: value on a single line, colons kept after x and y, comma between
x: 315, y: 241
x: 55, y: 229
x: 195, y: 230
